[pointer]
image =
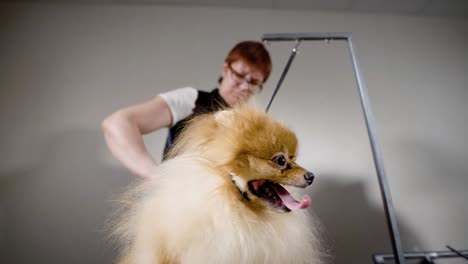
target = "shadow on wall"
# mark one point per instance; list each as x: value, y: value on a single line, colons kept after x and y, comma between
x: 353, y: 228
x: 56, y: 211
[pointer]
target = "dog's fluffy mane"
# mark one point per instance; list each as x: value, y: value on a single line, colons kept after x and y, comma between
x: 191, y: 212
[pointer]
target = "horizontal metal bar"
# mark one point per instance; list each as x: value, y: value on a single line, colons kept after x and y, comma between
x: 380, y: 258
x: 305, y: 36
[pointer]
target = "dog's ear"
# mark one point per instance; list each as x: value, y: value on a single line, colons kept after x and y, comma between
x: 225, y: 118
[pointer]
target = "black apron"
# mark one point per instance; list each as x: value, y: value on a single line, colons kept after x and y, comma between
x: 205, y: 103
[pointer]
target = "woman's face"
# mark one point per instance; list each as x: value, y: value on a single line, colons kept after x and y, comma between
x: 240, y: 82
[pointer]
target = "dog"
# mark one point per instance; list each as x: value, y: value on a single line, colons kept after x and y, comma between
x: 221, y: 197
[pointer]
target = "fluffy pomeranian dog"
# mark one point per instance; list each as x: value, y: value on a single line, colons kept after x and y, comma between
x: 221, y: 197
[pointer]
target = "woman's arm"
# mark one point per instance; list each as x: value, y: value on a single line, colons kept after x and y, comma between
x: 124, y: 130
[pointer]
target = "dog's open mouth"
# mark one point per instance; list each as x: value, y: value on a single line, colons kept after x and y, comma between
x: 277, y: 195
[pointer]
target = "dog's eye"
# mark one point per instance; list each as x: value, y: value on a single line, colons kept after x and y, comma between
x: 281, y: 161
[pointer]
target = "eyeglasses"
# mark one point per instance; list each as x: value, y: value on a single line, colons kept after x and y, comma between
x: 253, y: 85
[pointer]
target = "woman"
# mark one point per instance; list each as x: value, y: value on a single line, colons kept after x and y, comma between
x: 245, y: 69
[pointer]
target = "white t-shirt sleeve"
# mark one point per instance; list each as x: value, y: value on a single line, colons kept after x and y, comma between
x: 181, y: 102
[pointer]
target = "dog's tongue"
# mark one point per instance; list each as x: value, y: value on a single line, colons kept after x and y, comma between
x: 289, y: 201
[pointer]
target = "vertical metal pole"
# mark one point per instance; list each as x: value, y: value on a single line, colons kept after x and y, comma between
x: 384, y: 188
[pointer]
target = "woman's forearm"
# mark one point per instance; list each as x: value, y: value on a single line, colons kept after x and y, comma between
x: 125, y: 142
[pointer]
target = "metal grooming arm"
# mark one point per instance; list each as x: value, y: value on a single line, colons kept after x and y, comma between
x: 384, y: 188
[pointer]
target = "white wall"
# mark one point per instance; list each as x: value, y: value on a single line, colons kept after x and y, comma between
x: 63, y: 68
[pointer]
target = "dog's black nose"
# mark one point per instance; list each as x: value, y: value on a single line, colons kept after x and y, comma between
x: 309, y: 177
